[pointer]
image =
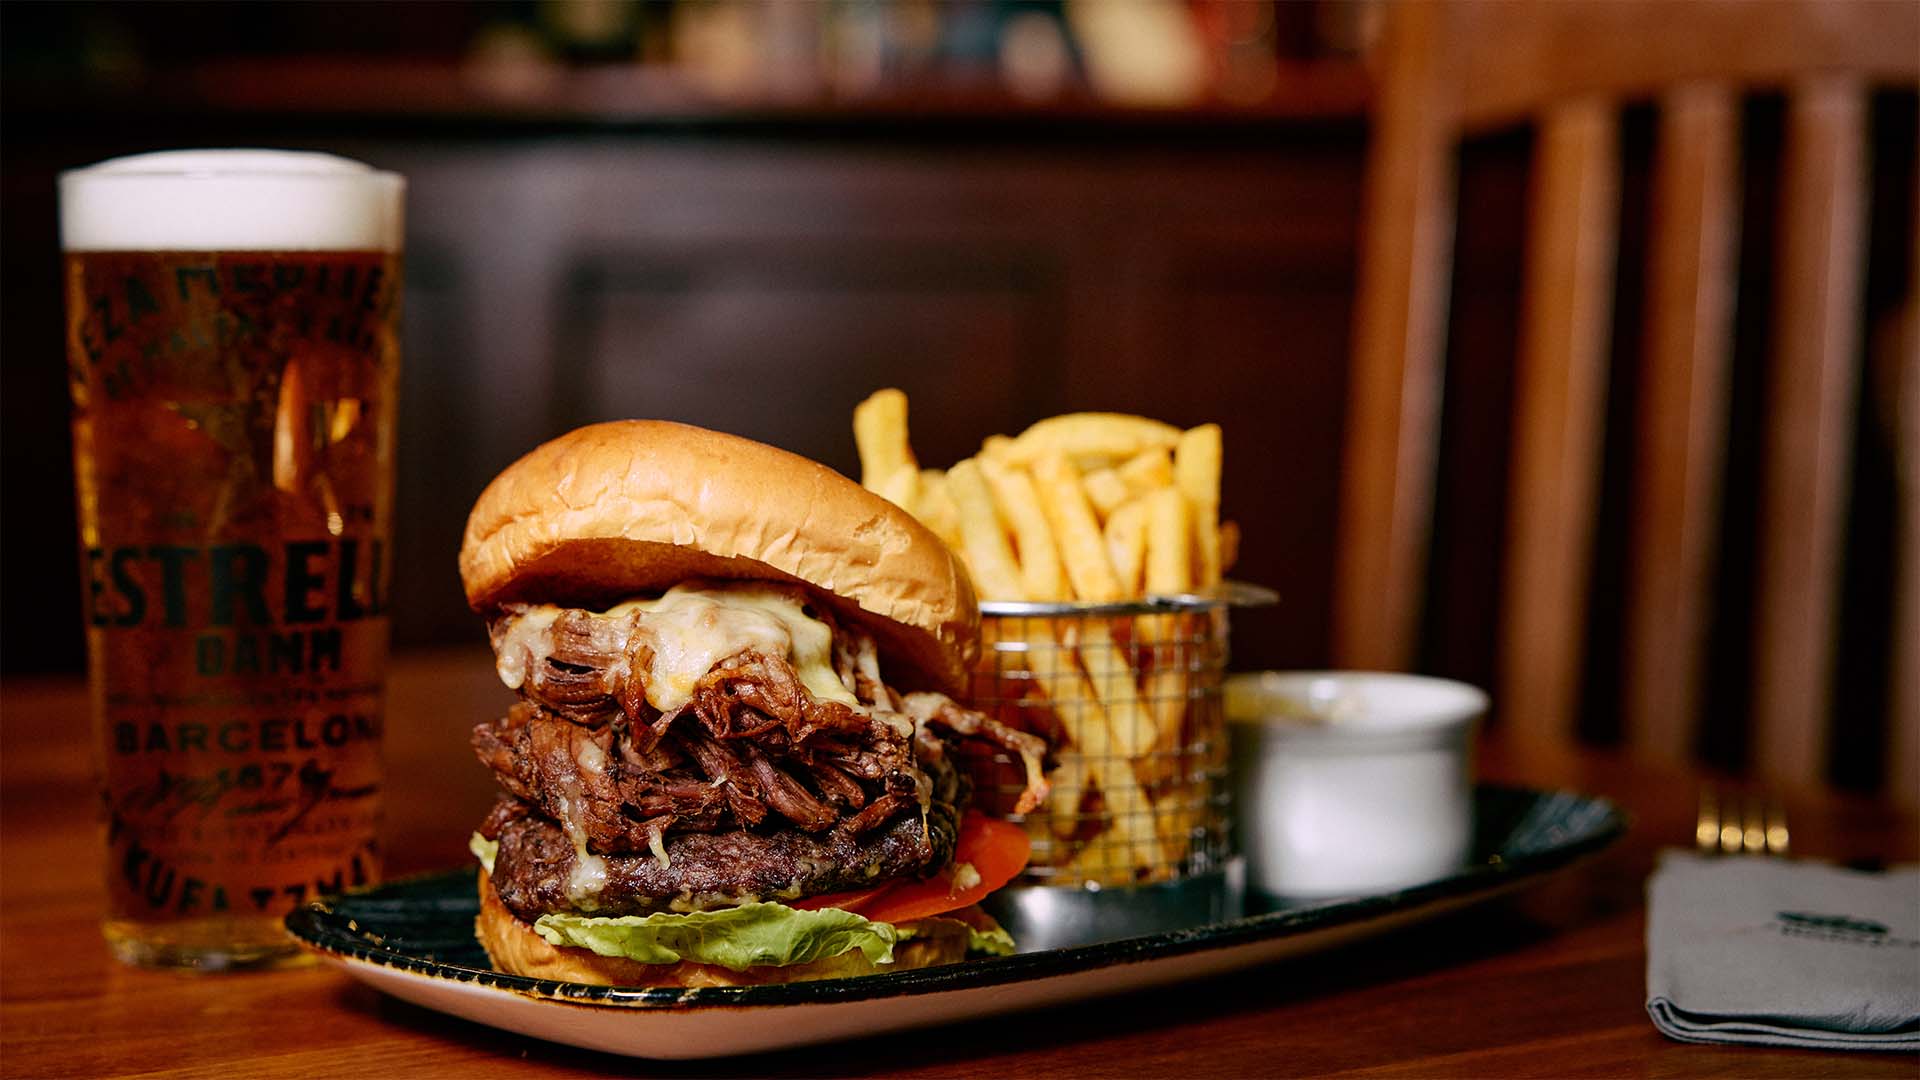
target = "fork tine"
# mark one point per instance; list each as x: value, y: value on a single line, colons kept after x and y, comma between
x: 1734, y: 821
x: 1777, y: 837
x: 1753, y: 818
x: 1706, y: 829
x: 1732, y: 835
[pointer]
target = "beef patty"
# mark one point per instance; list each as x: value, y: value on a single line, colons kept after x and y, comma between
x: 535, y: 866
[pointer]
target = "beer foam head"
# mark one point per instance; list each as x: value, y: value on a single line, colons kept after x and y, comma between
x: 230, y: 200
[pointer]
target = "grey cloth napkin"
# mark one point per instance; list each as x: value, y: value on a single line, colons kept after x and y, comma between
x: 1774, y: 952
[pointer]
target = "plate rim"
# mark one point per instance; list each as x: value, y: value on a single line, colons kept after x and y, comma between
x: 311, y: 925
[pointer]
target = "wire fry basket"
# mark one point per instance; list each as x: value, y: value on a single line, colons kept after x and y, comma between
x: 1129, y: 695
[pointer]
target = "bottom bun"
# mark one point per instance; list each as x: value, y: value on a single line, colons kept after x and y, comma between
x: 515, y: 948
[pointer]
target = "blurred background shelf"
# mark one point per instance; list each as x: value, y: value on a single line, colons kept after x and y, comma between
x: 664, y: 61
x: 628, y: 96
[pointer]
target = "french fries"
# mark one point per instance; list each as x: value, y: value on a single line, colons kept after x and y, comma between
x: 1169, y: 547
x: 1126, y: 533
x: 983, y: 543
x: 880, y: 433
x: 1146, y: 472
x: 903, y: 487
x: 1132, y: 729
x: 1012, y: 488
x: 1107, y: 491
x: 936, y: 507
x: 1108, y: 435
x: 1088, y: 507
x: 1169, y: 572
x: 1196, y: 471
x: 1075, y: 693
x: 1071, y: 515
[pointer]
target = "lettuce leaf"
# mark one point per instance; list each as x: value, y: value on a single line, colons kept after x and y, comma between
x: 737, y: 938
x: 994, y: 942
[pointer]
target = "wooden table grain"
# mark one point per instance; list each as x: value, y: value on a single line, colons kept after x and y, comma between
x: 1548, y: 983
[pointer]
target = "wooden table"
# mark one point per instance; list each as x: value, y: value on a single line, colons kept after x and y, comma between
x: 1548, y: 983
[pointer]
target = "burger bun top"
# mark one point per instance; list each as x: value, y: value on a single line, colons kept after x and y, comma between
x: 633, y: 507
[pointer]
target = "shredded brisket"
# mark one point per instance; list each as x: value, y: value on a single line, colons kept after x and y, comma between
x: 719, y: 763
x: 754, y: 786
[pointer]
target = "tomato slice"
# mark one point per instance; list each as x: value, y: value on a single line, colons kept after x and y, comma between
x: 845, y: 901
x: 996, y: 849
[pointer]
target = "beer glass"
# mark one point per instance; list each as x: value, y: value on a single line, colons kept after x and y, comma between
x: 233, y: 356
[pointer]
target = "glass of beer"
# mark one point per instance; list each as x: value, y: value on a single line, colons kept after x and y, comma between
x: 233, y: 355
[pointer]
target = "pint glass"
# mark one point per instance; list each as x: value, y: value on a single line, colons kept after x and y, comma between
x: 233, y: 357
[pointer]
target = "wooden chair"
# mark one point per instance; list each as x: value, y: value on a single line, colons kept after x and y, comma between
x: 1454, y: 69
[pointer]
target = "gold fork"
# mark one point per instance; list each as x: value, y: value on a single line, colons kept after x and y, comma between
x: 1740, y: 822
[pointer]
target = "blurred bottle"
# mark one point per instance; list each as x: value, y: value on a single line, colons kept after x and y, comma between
x: 1347, y: 27
x: 1036, y: 61
x: 1242, y: 47
x: 1141, y: 52
x: 591, y: 31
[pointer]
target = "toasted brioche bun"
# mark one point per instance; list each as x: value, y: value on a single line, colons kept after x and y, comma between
x: 515, y: 948
x: 612, y: 510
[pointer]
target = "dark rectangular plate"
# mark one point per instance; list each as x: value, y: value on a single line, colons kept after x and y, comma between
x: 424, y: 925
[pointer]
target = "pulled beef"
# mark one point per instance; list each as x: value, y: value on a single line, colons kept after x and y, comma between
x: 751, y: 743
x: 535, y: 862
x: 581, y: 673
x: 753, y: 787
x: 720, y: 763
x: 592, y: 670
x: 967, y: 724
x: 577, y: 773
x: 753, y: 694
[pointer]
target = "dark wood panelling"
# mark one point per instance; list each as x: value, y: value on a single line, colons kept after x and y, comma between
x: 39, y: 561
x: 764, y: 283
x: 779, y: 343
x: 438, y: 436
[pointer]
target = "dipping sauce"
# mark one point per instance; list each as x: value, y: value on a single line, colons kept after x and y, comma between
x: 1351, y: 782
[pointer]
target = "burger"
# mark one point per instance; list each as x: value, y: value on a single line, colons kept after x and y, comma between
x: 735, y: 757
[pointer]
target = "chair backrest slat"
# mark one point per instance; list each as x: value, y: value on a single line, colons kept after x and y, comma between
x: 1450, y: 68
x: 1810, y: 399
x: 1393, y: 416
x: 1679, y: 453
x: 1559, y: 413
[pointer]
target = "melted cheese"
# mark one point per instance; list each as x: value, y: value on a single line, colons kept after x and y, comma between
x: 588, y: 879
x: 691, y: 629
x: 516, y: 649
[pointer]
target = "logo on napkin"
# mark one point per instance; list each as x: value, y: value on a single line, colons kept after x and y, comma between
x: 1841, y: 929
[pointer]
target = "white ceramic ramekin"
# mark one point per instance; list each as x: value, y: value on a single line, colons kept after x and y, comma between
x: 1350, y: 781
